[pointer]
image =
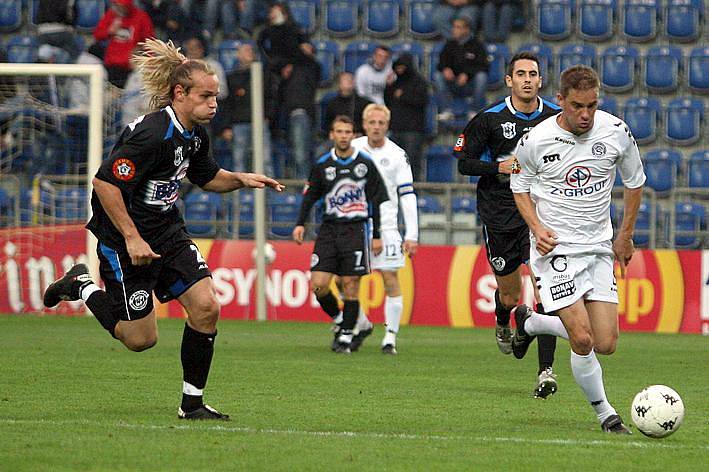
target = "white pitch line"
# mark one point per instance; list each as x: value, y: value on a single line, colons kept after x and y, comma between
x: 649, y: 444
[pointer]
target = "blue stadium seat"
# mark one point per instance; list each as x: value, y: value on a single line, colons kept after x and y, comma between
x: 545, y: 55
x: 440, y: 164
x: 10, y: 15
x: 328, y: 55
x: 608, y: 104
x: 498, y: 57
x: 662, y: 169
x: 683, y: 122
x: 429, y: 204
x: 466, y: 205
x: 420, y: 19
x: 698, y: 169
x: 22, y: 49
x: 640, y: 18
x: 618, y: 67
x: 689, y: 220
x: 698, y: 69
x: 283, y: 209
x: 341, y: 17
x: 357, y: 53
x: 641, y: 236
x: 305, y: 13
x: 683, y: 19
x: 433, y: 56
x: 413, y: 48
x: 381, y: 18
x: 201, y: 212
x: 464, y: 216
x: 243, y: 224
x: 662, y: 68
x: 574, y: 54
x: 226, y: 53
x: 7, y: 208
x: 595, y: 19
x: 554, y: 19
x: 431, y: 119
x: 88, y: 14
x: 642, y: 116
x: 70, y: 204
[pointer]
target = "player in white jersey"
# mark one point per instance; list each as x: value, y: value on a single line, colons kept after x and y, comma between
x: 394, y: 167
x: 563, y: 191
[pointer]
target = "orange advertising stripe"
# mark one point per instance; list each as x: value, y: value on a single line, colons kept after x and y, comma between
x: 672, y: 281
x: 406, y: 282
x: 460, y: 312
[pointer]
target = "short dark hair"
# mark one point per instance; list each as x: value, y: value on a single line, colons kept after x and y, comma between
x: 383, y: 47
x: 530, y: 56
x: 578, y: 77
x: 342, y: 119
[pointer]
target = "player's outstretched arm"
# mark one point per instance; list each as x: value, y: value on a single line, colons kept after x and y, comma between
x: 225, y: 181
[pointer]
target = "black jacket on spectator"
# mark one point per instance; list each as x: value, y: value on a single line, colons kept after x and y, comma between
x: 236, y: 108
x: 351, y: 106
x: 408, y: 111
x: 469, y: 57
x: 55, y: 11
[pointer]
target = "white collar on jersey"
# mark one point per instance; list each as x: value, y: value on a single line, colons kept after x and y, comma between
x: 508, y: 101
x: 174, y: 119
x: 352, y: 157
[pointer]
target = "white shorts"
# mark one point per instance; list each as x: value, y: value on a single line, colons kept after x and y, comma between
x: 572, y: 272
x: 392, y: 255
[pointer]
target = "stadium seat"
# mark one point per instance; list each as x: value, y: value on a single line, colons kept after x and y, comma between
x: 88, y: 14
x: 698, y: 70
x: 642, y: 116
x: 201, y: 212
x: 640, y: 18
x: 10, y: 15
x: 662, y: 169
x: 243, y: 225
x: 283, y: 209
x: 554, y: 19
x: 689, y: 220
x: 7, y: 208
x: 22, y: 49
x: 433, y: 56
x: 419, y: 16
x: 440, y: 164
x: 413, y: 48
x: 682, y: 19
x: 545, y: 55
x: 432, y: 220
x: 431, y: 118
x: 662, y: 68
x: 357, y: 53
x: 328, y: 55
x: 595, y: 19
x: 305, y: 14
x: 618, y: 67
x: 341, y: 17
x: 70, y: 204
x: 683, y: 122
x: 465, y: 221
x: 574, y: 54
x: 498, y: 57
x: 608, y: 104
x: 698, y: 169
x: 643, y: 226
x: 381, y: 18
x: 226, y: 53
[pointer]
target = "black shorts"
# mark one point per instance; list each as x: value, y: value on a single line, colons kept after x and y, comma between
x: 506, y: 250
x: 130, y: 287
x: 341, y: 249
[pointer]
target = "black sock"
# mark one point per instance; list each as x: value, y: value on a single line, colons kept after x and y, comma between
x: 328, y: 302
x: 546, y: 344
x: 100, y: 305
x: 502, y: 314
x: 196, y: 353
x: 350, y: 314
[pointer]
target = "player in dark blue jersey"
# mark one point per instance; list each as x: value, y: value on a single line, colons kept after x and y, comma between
x: 143, y: 244
x: 485, y: 149
x: 348, y: 182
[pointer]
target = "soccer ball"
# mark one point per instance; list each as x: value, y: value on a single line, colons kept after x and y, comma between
x: 269, y: 252
x: 657, y: 411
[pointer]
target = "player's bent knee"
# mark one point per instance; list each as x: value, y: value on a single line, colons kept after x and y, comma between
x: 141, y: 343
x: 582, y: 344
x: 606, y: 347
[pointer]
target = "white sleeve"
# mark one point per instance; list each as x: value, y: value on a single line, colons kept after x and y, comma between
x: 409, y: 211
x: 629, y: 164
x: 361, y: 82
x: 524, y: 152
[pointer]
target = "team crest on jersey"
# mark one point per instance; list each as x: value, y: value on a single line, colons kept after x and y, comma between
x: 314, y: 259
x: 124, y: 169
x: 139, y: 300
x: 598, y: 149
x: 498, y: 263
x: 197, y: 143
x: 178, y: 155
x: 509, y: 130
x: 459, y: 143
x: 360, y: 170
x: 384, y: 162
x: 330, y: 173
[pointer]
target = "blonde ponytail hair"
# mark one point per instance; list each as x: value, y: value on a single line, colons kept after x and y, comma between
x: 162, y: 67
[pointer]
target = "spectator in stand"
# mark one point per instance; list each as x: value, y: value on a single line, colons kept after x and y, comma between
x: 347, y: 103
x: 497, y: 16
x: 235, y: 114
x: 291, y: 58
x: 462, y: 69
x: 55, y: 25
x: 169, y: 19
x: 237, y: 17
x: 194, y: 49
x: 449, y: 10
x: 124, y: 26
x: 372, y: 78
x: 407, y: 98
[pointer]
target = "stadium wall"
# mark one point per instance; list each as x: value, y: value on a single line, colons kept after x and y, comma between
x: 664, y: 291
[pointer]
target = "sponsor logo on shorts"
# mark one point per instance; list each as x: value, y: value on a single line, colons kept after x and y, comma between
x: 139, y: 300
x: 559, y: 263
x: 562, y: 290
x: 124, y: 169
x: 498, y: 263
x: 314, y: 260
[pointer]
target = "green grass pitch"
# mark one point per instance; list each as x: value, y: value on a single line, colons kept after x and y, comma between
x: 72, y: 398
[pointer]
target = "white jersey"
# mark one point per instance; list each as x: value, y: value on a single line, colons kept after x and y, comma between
x: 570, y: 178
x: 370, y: 82
x: 393, y: 165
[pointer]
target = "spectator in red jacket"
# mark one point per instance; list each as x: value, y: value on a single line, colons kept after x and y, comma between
x: 124, y: 26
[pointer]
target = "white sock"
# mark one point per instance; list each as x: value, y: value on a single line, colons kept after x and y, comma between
x: 87, y: 291
x: 189, y: 389
x: 545, y: 324
x: 389, y: 338
x: 338, y: 319
x: 362, y: 321
x: 589, y: 375
x: 393, y: 306
x: 345, y: 338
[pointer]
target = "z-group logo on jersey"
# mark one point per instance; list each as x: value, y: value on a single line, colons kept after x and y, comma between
x: 347, y: 197
x: 562, y: 290
x: 578, y: 178
x: 508, y: 129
